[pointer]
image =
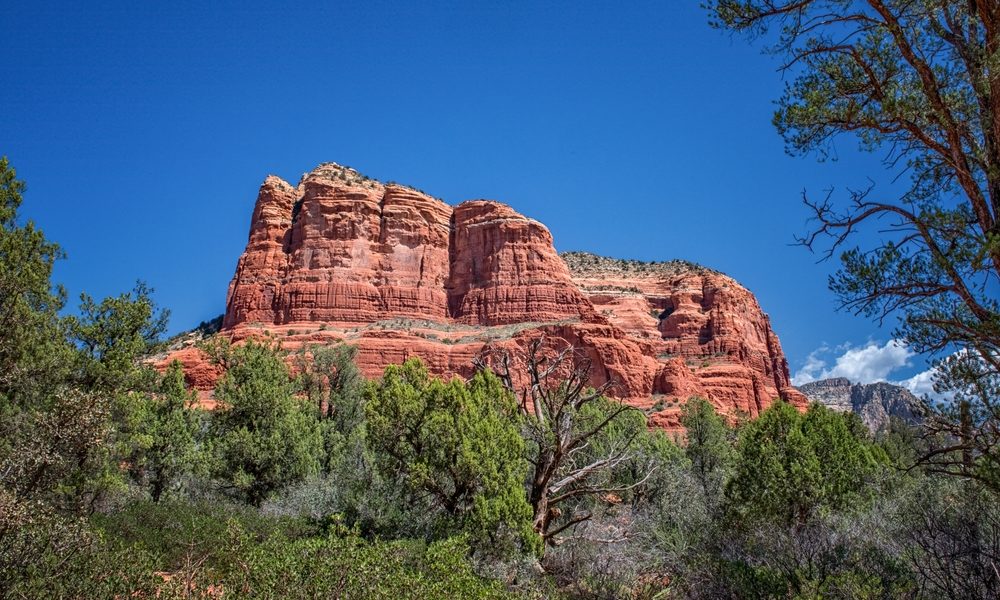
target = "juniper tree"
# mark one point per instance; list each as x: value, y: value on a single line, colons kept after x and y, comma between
x: 113, y: 335
x: 34, y: 352
x: 790, y: 465
x: 57, y: 431
x: 265, y: 437
x: 160, y: 434
x: 332, y: 382
x: 709, y: 447
x: 457, y: 445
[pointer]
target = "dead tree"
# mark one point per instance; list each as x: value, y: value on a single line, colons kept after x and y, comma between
x: 553, y: 391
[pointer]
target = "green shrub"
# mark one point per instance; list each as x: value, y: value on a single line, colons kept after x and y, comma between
x: 198, y: 546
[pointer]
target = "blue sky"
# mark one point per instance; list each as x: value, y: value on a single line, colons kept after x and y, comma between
x: 635, y: 131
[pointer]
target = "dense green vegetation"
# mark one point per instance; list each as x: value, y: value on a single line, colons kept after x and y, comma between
x: 456, y: 445
x: 314, y: 483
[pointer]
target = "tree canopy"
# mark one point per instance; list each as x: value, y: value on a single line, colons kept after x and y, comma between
x: 267, y: 438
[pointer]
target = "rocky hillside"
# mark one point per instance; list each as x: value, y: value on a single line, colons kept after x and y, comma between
x: 875, y: 403
x: 340, y: 257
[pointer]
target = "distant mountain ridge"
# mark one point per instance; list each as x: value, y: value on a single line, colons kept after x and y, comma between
x: 875, y: 403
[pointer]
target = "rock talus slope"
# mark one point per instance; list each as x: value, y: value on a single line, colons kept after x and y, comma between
x: 340, y: 258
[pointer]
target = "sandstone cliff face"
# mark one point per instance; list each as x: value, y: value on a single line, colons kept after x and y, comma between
x: 341, y: 248
x: 875, y: 403
x: 710, y: 336
x: 342, y: 258
x: 504, y: 270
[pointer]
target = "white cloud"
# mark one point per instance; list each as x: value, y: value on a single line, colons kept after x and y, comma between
x: 813, y: 367
x: 921, y: 383
x: 864, y: 364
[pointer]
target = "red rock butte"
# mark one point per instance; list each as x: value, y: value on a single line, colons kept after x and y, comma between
x: 341, y: 258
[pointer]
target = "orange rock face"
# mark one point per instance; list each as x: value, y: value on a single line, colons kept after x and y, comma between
x: 708, y: 333
x: 341, y: 249
x: 342, y: 258
x: 505, y: 270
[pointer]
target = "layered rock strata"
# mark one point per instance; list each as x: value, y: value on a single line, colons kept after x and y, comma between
x: 340, y: 258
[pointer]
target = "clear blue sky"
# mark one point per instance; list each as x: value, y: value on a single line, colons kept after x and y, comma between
x: 631, y: 130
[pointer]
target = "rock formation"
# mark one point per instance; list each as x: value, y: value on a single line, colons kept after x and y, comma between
x: 875, y: 403
x: 340, y: 258
x: 708, y: 333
